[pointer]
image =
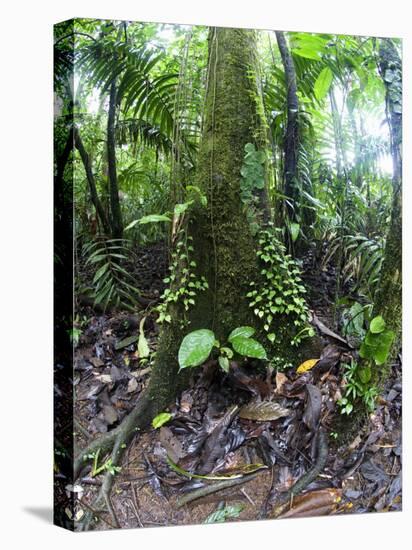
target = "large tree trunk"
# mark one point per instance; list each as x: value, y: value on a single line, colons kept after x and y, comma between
x: 388, y: 300
x: 223, y: 243
x: 224, y: 248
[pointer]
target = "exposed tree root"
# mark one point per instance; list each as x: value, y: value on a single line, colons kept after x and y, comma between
x: 210, y: 489
x: 164, y: 385
x: 116, y: 441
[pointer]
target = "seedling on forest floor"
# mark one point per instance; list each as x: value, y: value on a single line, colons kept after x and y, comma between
x: 197, y: 346
x: 375, y: 349
x: 357, y: 387
x: 74, y: 335
x: 107, y: 466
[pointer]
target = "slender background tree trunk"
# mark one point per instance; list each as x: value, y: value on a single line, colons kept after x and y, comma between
x: 92, y: 184
x: 292, y: 129
x: 116, y: 213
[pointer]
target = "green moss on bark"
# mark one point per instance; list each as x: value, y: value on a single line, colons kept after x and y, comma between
x: 224, y: 248
x: 223, y: 242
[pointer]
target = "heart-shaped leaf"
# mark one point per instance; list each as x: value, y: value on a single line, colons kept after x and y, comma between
x: 161, y: 419
x: 195, y: 348
x: 377, y: 325
x: 241, y: 331
x: 248, y: 347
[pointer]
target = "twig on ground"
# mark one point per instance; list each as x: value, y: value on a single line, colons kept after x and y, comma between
x: 247, y: 497
x: 135, y: 506
x: 209, y: 489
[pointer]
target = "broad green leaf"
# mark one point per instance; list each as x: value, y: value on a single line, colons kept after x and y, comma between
x: 154, y: 218
x: 101, y: 271
x: 142, y: 345
x: 260, y: 157
x: 182, y: 207
x: 259, y: 182
x: 353, y: 320
x: 307, y: 53
x: 248, y: 347
x: 195, y: 348
x: 377, y: 325
x: 224, y: 363
x: 294, y: 231
x: 323, y: 83
x: 312, y: 45
x: 250, y: 148
x: 132, y: 224
x: 161, y: 419
x: 241, y: 331
x: 247, y: 171
x: 377, y: 346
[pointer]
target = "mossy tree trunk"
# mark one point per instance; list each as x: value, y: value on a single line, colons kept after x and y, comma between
x: 388, y: 300
x: 224, y: 247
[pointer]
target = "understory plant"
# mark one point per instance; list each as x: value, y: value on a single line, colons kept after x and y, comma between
x: 374, y: 351
x: 112, y: 284
x: 280, y: 292
x: 357, y: 387
x: 107, y: 466
x: 197, y: 346
x: 183, y: 282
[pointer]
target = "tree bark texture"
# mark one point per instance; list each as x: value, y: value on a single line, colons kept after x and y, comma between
x: 224, y: 248
x: 115, y: 209
x: 92, y: 183
x: 292, y: 128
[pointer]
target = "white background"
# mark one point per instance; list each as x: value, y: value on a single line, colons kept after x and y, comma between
x: 26, y: 271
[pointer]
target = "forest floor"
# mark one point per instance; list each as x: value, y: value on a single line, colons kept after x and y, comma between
x: 212, y: 432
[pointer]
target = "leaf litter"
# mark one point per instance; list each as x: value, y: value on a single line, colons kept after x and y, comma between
x: 261, y: 429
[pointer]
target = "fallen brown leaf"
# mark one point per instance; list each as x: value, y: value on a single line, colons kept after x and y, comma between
x: 264, y: 411
x: 315, y: 503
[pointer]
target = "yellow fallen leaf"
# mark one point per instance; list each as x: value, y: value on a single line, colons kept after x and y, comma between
x: 306, y: 365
